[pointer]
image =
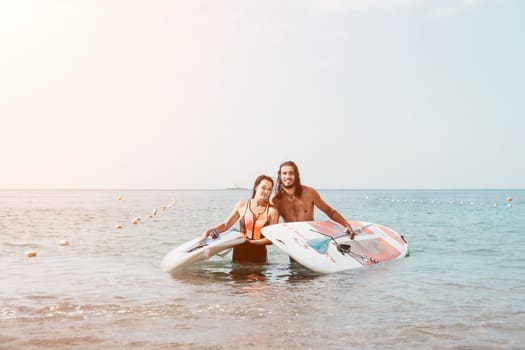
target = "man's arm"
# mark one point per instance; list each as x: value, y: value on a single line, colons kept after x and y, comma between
x: 331, y: 212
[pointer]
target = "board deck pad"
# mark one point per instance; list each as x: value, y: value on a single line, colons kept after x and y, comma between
x: 377, y: 249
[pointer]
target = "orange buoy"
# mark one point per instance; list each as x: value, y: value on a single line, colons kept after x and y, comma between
x: 30, y: 253
x: 509, y: 199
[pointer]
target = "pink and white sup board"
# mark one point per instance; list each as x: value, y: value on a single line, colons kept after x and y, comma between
x: 323, y: 246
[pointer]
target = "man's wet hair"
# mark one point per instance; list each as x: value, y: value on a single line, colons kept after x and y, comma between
x: 298, y: 187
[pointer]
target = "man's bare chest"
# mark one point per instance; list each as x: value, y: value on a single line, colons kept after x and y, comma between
x: 296, y: 209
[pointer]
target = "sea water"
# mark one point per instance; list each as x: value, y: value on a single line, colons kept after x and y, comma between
x: 462, y: 287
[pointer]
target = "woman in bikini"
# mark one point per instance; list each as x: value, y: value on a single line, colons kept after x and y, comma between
x: 254, y: 214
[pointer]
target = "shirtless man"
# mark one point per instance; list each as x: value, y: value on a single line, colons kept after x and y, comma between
x: 295, y: 202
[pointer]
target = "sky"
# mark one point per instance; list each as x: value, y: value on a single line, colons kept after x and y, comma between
x: 383, y: 94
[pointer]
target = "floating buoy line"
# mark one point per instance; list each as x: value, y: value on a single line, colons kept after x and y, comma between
x: 154, y: 212
x: 135, y: 221
x: 495, y: 204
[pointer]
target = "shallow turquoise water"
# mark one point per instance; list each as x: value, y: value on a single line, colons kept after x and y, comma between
x: 462, y: 287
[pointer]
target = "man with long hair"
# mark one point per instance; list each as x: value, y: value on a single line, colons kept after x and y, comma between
x: 295, y: 201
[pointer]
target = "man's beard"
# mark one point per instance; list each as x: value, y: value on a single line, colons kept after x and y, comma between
x: 289, y: 186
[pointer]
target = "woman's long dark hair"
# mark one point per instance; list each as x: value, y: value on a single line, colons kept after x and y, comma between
x: 298, y: 187
x: 258, y: 180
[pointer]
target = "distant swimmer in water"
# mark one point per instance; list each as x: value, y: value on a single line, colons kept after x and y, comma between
x: 296, y: 202
x: 254, y: 214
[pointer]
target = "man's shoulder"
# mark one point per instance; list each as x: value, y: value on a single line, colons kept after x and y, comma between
x: 309, y: 190
x: 309, y: 194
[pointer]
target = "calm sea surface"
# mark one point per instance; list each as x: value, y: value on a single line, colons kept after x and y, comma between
x: 462, y: 287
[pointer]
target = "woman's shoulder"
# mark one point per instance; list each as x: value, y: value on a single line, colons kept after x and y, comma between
x: 242, y: 203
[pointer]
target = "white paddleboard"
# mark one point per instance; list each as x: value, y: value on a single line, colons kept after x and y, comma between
x: 195, y: 250
x: 309, y: 243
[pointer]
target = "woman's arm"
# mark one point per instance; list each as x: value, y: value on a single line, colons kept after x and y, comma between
x: 228, y: 223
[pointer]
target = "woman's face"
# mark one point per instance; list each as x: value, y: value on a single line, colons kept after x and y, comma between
x: 264, y: 189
